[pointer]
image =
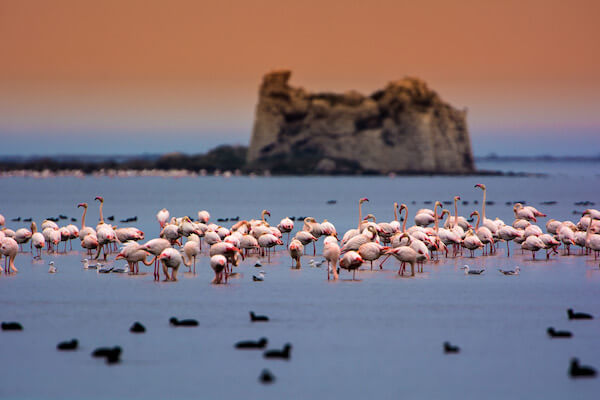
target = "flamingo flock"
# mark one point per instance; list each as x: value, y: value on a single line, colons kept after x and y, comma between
x: 183, y: 241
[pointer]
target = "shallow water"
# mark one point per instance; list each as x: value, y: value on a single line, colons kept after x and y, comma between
x: 381, y: 336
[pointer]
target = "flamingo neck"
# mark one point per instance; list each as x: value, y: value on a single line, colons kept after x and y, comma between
x: 405, y: 218
x: 101, y: 215
x: 478, y: 217
x: 455, y: 214
x: 83, y: 217
x: 483, y: 206
x: 588, y: 231
x: 359, y: 214
x: 396, y: 212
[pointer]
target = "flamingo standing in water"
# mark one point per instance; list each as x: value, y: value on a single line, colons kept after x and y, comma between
x: 312, y: 226
x: 405, y: 254
x: 22, y: 236
x: 296, y: 249
x: 156, y: 247
x: 267, y: 241
x: 9, y: 249
x: 371, y: 251
x: 472, y: 242
x: 218, y: 263
x: 351, y: 261
x: 483, y: 233
x: 85, y: 230
x: 331, y: 252
x: 592, y: 241
x: 286, y: 226
x: 133, y: 254
x: 488, y: 223
x: 508, y: 233
x: 171, y: 259
x: 37, y: 240
x: 191, y: 249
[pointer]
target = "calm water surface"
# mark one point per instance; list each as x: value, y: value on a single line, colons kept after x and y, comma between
x: 379, y: 337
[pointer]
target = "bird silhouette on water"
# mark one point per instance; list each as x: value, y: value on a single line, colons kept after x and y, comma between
x: 283, y: 354
x: 558, y: 334
x: 580, y: 371
x: 112, y: 355
x: 251, y: 344
x: 137, y: 328
x: 12, y: 326
x: 266, y: 377
x: 258, y: 318
x: 578, y: 315
x: 68, y: 345
x: 183, y: 322
x: 450, y: 349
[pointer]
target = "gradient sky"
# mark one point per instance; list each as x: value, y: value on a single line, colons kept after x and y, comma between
x: 132, y: 76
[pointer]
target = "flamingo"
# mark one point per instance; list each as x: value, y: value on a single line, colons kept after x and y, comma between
x: 508, y: 233
x: 218, y: 263
x: 331, y: 252
x: 162, y: 217
x: 133, y: 254
x: 296, y: 249
x: 592, y: 241
x: 550, y: 244
x: 286, y: 225
x: 566, y: 235
x: 355, y: 242
x: 351, y: 261
x: 523, y: 213
x: 85, y: 230
x: 229, y: 251
x: 522, y: 224
x: 203, y: 216
x: 172, y: 259
x: 156, y: 247
x: 37, y: 240
x: 22, y: 236
x: 371, y: 251
x: 483, y: 233
x: 267, y: 241
x: 486, y: 222
x: 552, y: 226
x: 533, y: 244
x: 472, y: 242
x: 405, y: 254
x: 457, y: 220
x: 9, y: 249
x: 191, y: 249
x: 315, y: 229
x: 89, y: 242
x: 2, y: 220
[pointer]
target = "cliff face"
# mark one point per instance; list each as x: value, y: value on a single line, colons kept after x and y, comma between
x: 404, y: 127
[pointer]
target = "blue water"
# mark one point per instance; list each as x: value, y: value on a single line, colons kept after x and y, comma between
x: 380, y: 337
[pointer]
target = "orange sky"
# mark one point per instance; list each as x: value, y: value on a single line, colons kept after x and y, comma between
x: 80, y: 71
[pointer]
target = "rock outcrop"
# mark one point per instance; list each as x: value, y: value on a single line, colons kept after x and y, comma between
x: 404, y: 128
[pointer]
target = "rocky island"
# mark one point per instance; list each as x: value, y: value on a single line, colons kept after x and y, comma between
x: 404, y: 128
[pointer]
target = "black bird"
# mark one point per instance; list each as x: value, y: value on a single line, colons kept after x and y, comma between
x: 293, y: 218
x: 237, y: 218
x: 465, y: 203
x: 111, y: 218
x: 282, y: 354
x: 70, y: 345
x: 220, y: 219
x: 134, y: 219
x: 266, y: 376
x: 16, y: 219
x: 28, y: 219
x: 258, y: 318
x: 183, y: 322
x: 257, y: 278
x: 12, y: 326
x: 251, y: 344
x: 331, y: 201
x: 427, y: 202
x: 107, y: 352
x: 450, y: 349
x: 578, y: 315
x: 558, y: 334
x: 137, y: 328
x: 62, y: 216
x: 113, y: 358
x: 73, y: 219
x: 124, y: 221
x: 577, y: 371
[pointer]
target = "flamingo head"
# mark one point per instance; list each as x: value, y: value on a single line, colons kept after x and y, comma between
x: 84, y: 205
x: 456, y: 198
x: 100, y: 199
x: 363, y: 200
x: 164, y: 256
x: 480, y: 186
x: 474, y: 213
x: 120, y: 256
